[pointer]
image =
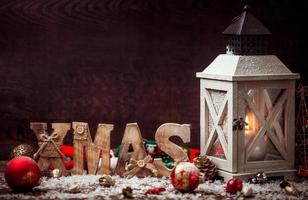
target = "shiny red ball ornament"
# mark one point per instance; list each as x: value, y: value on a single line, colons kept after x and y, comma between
x: 22, y: 173
x: 234, y: 185
x: 185, y: 177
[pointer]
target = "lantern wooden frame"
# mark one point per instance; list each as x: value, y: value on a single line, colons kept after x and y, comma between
x: 241, y: 83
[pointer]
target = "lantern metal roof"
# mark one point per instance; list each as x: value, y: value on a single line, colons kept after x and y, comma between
x: 246, y: 24
x: 244, y: 68
x: 245, y: 60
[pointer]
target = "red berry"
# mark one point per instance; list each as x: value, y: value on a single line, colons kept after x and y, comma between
x: 234, y: 185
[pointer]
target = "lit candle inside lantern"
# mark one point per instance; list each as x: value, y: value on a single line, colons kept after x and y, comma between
x: 251, y: 130
x: 247, y: 127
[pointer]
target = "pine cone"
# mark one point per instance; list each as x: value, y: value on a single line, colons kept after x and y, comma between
x: 206, y: 166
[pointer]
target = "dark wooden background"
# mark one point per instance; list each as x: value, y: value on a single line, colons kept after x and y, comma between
x: 120, y: 61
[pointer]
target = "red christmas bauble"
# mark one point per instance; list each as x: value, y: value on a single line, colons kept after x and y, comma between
x: 185, y: 177
x: 234, y: 185
x: 22, y: 173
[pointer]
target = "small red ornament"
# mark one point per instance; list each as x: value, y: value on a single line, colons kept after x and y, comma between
x: 234, y: 185
x: 185, y: 177
x: 22, y: 173
x: 155, y: 190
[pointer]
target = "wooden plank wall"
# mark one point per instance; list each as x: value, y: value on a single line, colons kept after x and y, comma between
x: 118, y: 61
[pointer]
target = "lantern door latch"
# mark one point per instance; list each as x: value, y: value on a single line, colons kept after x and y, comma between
x: 239, y: 124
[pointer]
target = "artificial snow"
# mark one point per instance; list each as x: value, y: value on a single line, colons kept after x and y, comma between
x: 58, y: 188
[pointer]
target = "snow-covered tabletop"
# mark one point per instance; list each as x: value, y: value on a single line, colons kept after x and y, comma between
x: 57, y: 188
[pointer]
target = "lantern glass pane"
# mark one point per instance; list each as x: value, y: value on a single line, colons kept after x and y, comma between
x: 265, y: 128
x: 271, y: 151
x: 217, y: 122
x: 251, y: 128
x: 217, y: 150
x: 218, y: 97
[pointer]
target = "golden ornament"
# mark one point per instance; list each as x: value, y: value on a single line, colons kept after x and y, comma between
x: 74, y: 189
x: 22, y: 150
x: 106, y: 181
x: 291, y: 190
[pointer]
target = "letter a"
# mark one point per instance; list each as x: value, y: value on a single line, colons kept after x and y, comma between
x: 132, y: 137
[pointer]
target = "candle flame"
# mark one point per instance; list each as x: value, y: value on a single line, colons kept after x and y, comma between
x: 248, y: 122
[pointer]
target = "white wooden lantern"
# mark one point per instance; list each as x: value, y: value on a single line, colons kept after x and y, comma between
x: 247, y: 106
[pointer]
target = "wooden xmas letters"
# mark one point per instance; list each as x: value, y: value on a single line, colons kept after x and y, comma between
x: 49, y: 145
x: 132, y: 137
x: 162, y: 135
x: 101, y: 146
x: 130, y: 163
x: 165, y: 131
